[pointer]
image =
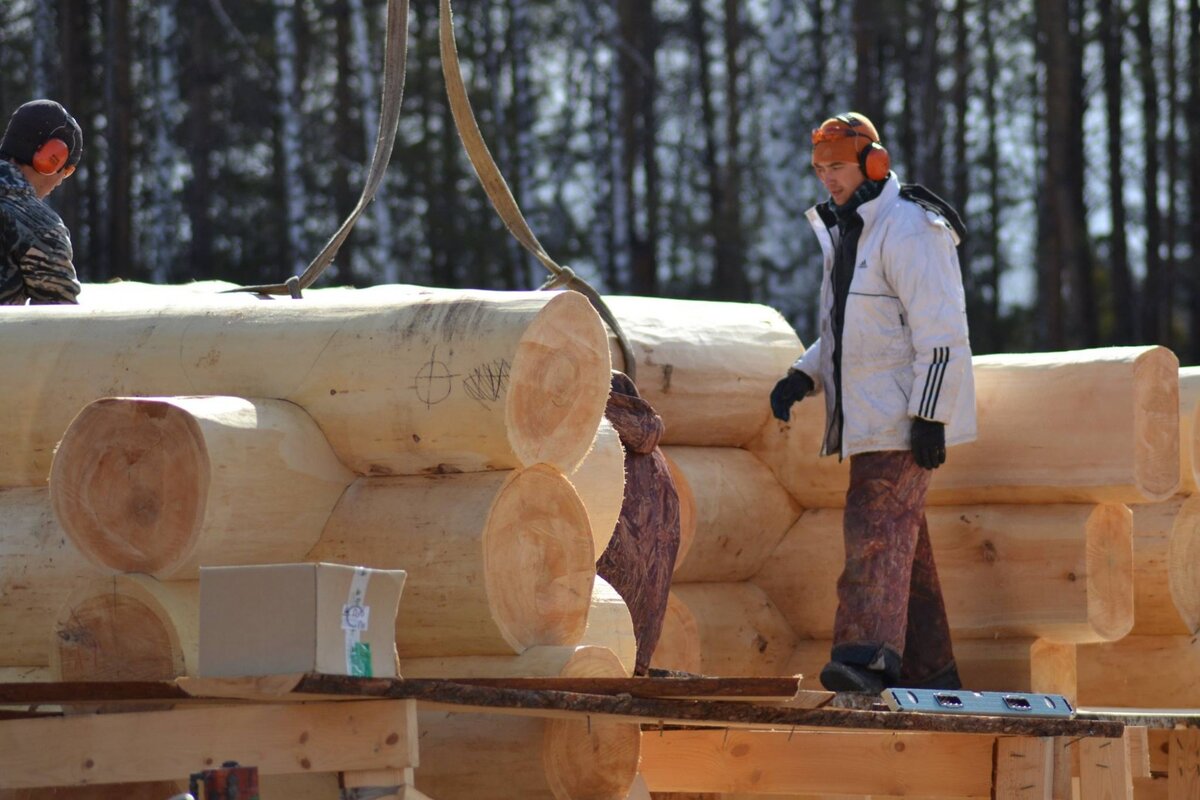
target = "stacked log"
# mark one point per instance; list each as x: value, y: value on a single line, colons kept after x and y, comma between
x: 456, y: 435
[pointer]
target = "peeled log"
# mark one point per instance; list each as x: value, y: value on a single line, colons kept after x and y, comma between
x: 1166, y: 567
x: 402, y: 382
x: 740, y: 516
x: 985, y: 665
x: 496, y: 561
x: 127, y: 628
x: 38, y: 569
x: 163, y: 485
x: 543, y: 661
x: 1189, y: 430
x: 741, y: 631
x: 470, y: 756
x: 610, y: 625
x: 1140, y: 672
x: 687, y: 510
x: 679, y: 643
x: 600, y: 481
x: 1043, y: 436
x: 1062, y: 572
x: 706, y: 367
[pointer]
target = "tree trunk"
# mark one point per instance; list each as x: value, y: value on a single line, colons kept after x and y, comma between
x: 496, y: 561
x: 1193, y: 125
x: 1154, y: 318
x: 637, y: 52
x: 1061, y: 572
x: 38, y: 569
x: 741, y: 632
x: 706, y: 367
x: 470, y: 380
x: 202, y: 77
x: 119, y: 113
x: 731, y: 280
x: 1033, y: 445
x: 869, y: 18
x: 1124, y: 300
x: 162, y: 486
x: 741, y: 514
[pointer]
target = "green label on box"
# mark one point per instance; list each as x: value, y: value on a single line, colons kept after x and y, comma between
x: 360, y: 660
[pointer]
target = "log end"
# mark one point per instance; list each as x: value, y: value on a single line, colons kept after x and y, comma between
x: 115, y: 629
x: 596, y: 759
x: 600, y: 481
x: 1183, y: 563
x: 1156, y: 423
x: 129, y: 484
x: 687, y: 511
x: 1109, y: 560
x: 559, y: 384
x: 538, y: 561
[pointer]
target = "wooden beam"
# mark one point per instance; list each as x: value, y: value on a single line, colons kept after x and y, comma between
x: 1104, y: 770
x: 547, y: 703
x: 1183, y: 766
x: 166, y: 745
x: 1025, y: 767
x: 781, y: 762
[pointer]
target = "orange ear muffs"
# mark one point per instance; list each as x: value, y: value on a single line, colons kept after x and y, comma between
x: 51, y: 156
x: 875, y: 161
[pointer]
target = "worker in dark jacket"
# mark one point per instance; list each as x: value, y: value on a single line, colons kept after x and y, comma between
x: 640, y: 558
x: 41, y: 147
x: 894, y: 363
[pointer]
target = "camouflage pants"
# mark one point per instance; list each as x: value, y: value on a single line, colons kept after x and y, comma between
x: 890, y: 615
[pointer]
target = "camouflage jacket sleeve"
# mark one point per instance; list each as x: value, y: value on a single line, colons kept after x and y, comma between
x: 47, y: 269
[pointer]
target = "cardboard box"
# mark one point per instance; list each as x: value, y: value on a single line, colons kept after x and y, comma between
x: 284, y: 618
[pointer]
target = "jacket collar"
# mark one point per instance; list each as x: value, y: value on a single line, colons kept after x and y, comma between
x: 822, y: 219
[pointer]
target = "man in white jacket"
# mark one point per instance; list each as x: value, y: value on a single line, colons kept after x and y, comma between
x: 894, y: 363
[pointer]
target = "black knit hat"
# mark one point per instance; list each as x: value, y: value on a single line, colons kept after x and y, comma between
x: 36, y: 122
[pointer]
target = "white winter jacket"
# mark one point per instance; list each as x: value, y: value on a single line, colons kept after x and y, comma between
x: 905, y: 349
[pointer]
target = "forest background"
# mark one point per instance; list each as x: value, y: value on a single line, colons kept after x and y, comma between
x: 660, y: 147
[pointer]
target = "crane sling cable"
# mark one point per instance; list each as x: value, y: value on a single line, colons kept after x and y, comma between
x: 394, y: 62
x: 497, y: 188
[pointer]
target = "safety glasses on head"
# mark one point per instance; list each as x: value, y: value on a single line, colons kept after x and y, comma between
x: 832, y: 132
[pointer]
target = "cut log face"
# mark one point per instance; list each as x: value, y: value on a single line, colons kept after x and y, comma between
x: 687, y: 510
x: 127, y: 628
x: 741, y: 632
x: 163, y: 485
x: 401, y: 382
x: 1062, y: 572
x: 1043, y: 438
x: 496, y: 561
x: 600, y: 481
x: 39, y: 567
x: 706, y: 367
x: 740, y: 516
x: 1189, y: 430
x: 469, y: 756
x: 1166, y: 551
x: 610, y: 625
x: 679, y: 644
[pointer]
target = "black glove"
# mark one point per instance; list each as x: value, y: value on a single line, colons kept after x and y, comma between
x: 790, y: 389
x: 928, y: 443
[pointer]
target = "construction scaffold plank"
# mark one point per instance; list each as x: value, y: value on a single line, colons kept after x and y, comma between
x: 165, y: 745
x: 452, y: 696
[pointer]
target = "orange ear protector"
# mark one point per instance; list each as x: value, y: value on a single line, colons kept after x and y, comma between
x: 872, y: 159
x: 51, y: 156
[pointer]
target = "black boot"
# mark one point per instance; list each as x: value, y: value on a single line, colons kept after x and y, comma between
x: 839, y: 677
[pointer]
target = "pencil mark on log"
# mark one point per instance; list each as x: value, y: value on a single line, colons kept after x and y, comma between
x: 433, y: 381
x: 487, y: 382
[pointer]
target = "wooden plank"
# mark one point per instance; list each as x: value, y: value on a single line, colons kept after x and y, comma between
x: 1025, y: 768
x: 1104, y: 770
x: 803, y: 762
x: 1137, y: 745
x: 1150, y: 788
x: 1183, y: 765
x: 166, y: 745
